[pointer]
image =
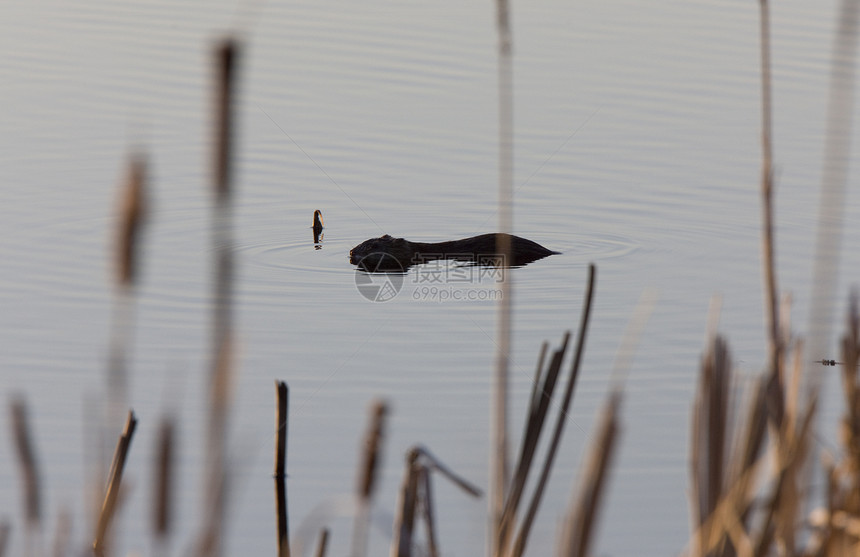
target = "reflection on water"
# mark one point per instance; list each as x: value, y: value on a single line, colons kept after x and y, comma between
x: 636, y: 147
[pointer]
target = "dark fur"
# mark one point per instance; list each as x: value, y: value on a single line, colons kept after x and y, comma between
x: 387, y: 252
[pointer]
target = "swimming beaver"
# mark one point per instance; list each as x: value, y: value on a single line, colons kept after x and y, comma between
x: 387, y: 253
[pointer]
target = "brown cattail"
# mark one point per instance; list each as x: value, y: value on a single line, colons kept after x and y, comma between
x: 132, y: 215
x: 225, y: 61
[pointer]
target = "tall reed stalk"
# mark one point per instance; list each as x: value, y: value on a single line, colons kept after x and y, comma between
x: 370, y: 465
x: 499, y: 457
x: 834, y: 179
x: 768, y: 242
x: 132, y: 216
x: 31, y: 489
x: 164, y: 481
x: 281, y: 428
x: 112, y: 492
x: 221, y: 373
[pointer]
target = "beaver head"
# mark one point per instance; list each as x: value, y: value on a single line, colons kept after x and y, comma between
x: 383, y: 252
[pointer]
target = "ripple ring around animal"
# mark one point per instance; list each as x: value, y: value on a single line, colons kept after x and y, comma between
x: 389, y: 253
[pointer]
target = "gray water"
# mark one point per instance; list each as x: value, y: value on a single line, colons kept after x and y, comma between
x: 636, y: 148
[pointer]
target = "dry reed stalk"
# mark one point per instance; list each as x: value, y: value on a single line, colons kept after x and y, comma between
x: 850, y: 427
x: 499, y: 457
x: 370, y: 464
x: 132, y: 215
x: 708, y: 443
x: 711, y: 537
x: 741, y: 469
x: 737, y: 509
x: 226, y: 59
x: 724, y: 482
x: 372, y: 449
x: 789, y: 488
x: 791, y: 438
x: 415, y: 494
x: 426, y: 490
x: 724, y: 531
x: 768, y: 257
x: 536, y: 394
x: 95, y: 457
x: 27, y: 460
x: 281, y: 516
x: 113, y: 487
x: 215, y: 495
x: 432, y: 463
x: 281, y: 421
x: 771, y: 292
x: 839, y: 521
x: 837, y: 153
x: 404, y: 520
x: 226, y: 54
x: 525, y: 528
x: 323, y: 543
x: 542, y: 390
x: 215, y: 491
x: 749, y: 443
x: 585, y: 508
x: 163, y: 479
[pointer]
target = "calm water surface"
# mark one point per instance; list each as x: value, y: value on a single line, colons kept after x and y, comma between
x: 636, y: 149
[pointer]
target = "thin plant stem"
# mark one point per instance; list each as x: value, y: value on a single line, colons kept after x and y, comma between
x: 281, y: 421
x: 831, y: 205
x: 768, y: 257
x: 555, y: 440
x: 221, y: 373
x: 499, y: 458
x: 368, y: 475
x: 112, y: 492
